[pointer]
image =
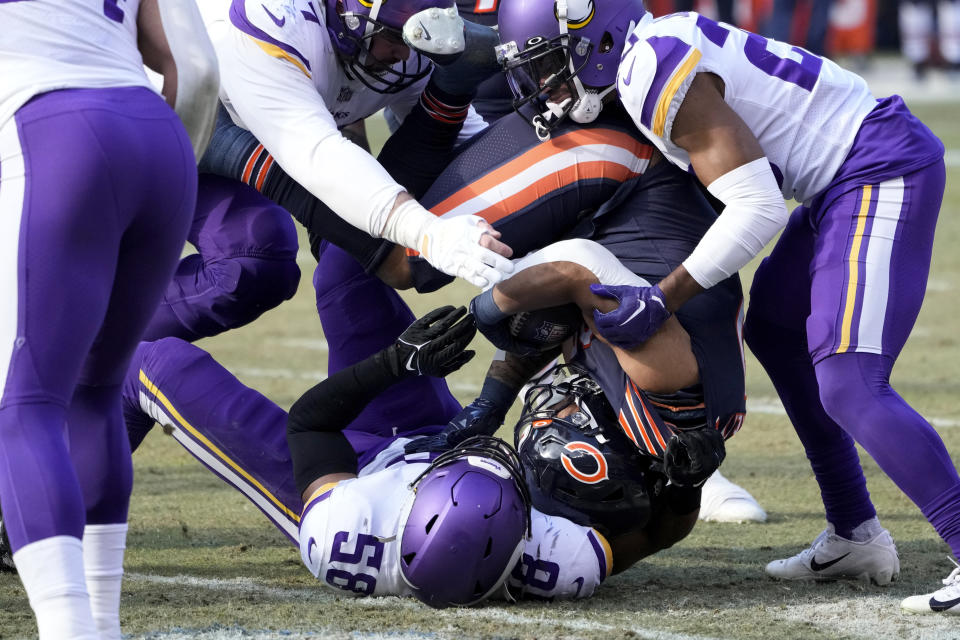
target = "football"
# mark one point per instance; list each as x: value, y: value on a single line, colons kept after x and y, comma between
x: 547, y: 328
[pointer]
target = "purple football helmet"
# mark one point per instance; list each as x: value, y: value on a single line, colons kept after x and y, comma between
x: 552, y: 44
x: 353, y: 23
x: 463, y: 529
x: 581, y: 466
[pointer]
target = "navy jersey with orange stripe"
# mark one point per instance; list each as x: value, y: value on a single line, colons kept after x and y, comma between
x: 651, y: 226
x: 535, y: 192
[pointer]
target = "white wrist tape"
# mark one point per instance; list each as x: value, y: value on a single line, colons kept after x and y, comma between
x: 198, y: 79
x: 755, y: 212
x: 589, y: 255
x: 406, y: 223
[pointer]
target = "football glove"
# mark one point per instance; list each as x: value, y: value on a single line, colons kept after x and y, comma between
x: 693, y: 455
x: 494, y: 324
x: 641, y: 312
x: 452, y: 245
x: 433, y: 345
x: 481, y: 417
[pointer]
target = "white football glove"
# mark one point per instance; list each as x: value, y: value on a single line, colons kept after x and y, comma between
x: 452, y: 245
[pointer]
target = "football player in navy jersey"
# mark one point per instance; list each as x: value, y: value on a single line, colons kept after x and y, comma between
x: 758, y: 120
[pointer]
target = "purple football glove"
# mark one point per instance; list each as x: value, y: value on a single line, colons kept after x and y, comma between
x: 641, y: 312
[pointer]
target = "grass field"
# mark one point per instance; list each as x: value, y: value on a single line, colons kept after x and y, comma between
x: 203, y: 563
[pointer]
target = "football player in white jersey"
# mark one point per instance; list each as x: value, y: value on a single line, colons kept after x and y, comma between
x: 295, y: 74
x: 97, y: 186
x: 758, y: 120
x: 333, y: 475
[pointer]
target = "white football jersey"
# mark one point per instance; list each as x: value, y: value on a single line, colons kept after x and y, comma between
x: 281, y: 79
x: 47, y: 45
x: 804, y: 110
x: 348, y: 538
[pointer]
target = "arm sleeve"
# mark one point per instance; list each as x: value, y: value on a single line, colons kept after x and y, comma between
x: 278, y: 102
x: 317, y: 419
x: 754, y: 214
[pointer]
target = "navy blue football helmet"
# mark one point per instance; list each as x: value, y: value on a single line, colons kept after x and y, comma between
x: 577, y: 462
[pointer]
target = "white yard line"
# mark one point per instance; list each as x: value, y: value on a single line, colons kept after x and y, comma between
x: 552, y: 619
x: 310, y: 344
x: 769, y: 405
x: 869, y: 617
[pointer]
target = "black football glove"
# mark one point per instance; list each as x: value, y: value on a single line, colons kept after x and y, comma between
x: 494, y: 324
x: 433, y: 345
x: 481, y: 417
x: 693, y: 455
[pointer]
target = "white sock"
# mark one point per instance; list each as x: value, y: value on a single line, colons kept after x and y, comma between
x: 103, y: 546
x: 867, y: 530
x: 52, y: 573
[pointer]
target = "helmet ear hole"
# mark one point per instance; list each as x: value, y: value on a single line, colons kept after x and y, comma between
x: 408, y: 558
x: 606, y: 43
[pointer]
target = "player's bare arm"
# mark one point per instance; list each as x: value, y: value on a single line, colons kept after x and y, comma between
x: 663, y: 364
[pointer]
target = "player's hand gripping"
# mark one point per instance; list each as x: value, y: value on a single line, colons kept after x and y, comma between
x: 693, y: 455
x: 433, y: 345
x: 482, y: 417
x: 641, y: 312
x: 466, y: 247
x: 494, y: 324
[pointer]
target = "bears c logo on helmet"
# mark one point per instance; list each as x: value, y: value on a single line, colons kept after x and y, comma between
x: 587, y: 477
x: 579, y: 13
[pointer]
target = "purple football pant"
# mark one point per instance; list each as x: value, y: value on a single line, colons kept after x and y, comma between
x: 246, y: 263
x: 830, y: 310
x: 97, y: 188
x: 240, y: 435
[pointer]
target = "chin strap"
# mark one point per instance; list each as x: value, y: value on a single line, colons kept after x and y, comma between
x: 590, y: 103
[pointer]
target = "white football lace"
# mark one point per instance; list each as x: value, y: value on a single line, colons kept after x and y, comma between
x: 952, y: 581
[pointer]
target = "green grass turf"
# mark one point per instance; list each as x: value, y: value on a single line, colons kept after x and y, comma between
x: 200, y: 557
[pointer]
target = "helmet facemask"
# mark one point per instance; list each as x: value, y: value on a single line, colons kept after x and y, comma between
x: 576, y: 461
x: 588, y: 36
x: 353, y: 38
x: 547, y: 70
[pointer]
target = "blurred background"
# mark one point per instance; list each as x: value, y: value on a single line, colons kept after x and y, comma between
x: 905, y: 45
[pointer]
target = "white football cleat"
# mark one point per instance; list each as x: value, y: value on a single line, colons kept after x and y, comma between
x: 436, y: 33
x: 945, y: 600
x: 724, y: 501
x: 831, y: 557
